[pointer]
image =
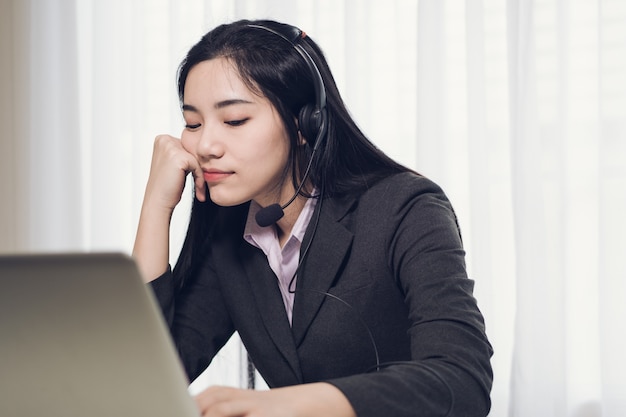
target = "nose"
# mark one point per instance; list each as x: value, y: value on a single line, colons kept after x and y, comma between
x: 208, y: 145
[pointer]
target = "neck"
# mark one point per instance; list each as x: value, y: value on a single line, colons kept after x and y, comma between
x: 286, y: 223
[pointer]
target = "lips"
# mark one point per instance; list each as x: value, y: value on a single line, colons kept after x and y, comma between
x: 215, y: 175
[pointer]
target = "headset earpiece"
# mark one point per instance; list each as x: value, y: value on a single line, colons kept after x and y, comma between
x: 310, y: 123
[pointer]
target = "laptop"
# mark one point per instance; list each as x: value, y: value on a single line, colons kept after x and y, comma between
x: 82, y: 335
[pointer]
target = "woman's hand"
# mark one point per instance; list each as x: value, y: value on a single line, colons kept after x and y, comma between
x: 319, y: 399
x: 170, y: 165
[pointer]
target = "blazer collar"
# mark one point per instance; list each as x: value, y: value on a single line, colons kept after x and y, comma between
x: 330, y: 243
x: 264, y: 285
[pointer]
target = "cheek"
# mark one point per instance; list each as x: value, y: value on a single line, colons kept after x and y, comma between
x: 186, y: 140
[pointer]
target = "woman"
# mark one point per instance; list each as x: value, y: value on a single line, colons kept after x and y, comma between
x: 349, y: 291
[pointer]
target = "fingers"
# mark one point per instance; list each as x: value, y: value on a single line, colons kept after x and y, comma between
x: 219, y: 401
x: 199, y: 183
x: 170, y: 165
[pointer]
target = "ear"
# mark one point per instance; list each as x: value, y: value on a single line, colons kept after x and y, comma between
x: 301, y: 139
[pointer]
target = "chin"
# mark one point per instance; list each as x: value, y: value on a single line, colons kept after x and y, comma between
x: 227, y: 201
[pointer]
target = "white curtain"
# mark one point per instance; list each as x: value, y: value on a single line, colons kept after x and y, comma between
x: 517, y: 108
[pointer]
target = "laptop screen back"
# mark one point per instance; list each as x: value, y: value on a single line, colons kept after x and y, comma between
x: 81, y: 335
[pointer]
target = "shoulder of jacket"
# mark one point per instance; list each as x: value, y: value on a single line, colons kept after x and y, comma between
x: 403, y: 185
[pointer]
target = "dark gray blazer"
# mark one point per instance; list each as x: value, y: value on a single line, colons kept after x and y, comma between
x: 383, y: 308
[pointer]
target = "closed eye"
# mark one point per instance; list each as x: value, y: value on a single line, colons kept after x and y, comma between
x: 236, y: 123
x: 192, y: 127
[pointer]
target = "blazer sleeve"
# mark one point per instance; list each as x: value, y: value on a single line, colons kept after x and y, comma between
x: 449, y: 372
x: 196, y: 315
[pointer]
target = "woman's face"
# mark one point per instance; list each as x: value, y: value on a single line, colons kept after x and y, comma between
x: 236, y: 135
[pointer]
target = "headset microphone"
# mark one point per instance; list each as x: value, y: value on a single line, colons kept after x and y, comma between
x: 311, y: 120
x: 269, y: 215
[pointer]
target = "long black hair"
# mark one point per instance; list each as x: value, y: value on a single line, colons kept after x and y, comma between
x: 346, y: 161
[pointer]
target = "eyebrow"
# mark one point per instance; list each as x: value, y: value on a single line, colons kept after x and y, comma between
x: 219, y: 105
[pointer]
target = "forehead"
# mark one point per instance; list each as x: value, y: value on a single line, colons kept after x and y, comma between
x: 218, y: 79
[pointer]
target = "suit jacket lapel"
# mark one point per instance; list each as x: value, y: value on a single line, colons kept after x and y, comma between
x: 264, y: 286
x: 330, y: 244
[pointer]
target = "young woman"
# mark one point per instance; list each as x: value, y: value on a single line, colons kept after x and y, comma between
x: 348, y: 288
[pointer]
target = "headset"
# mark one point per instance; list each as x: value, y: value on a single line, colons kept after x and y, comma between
x: 312, y: 119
